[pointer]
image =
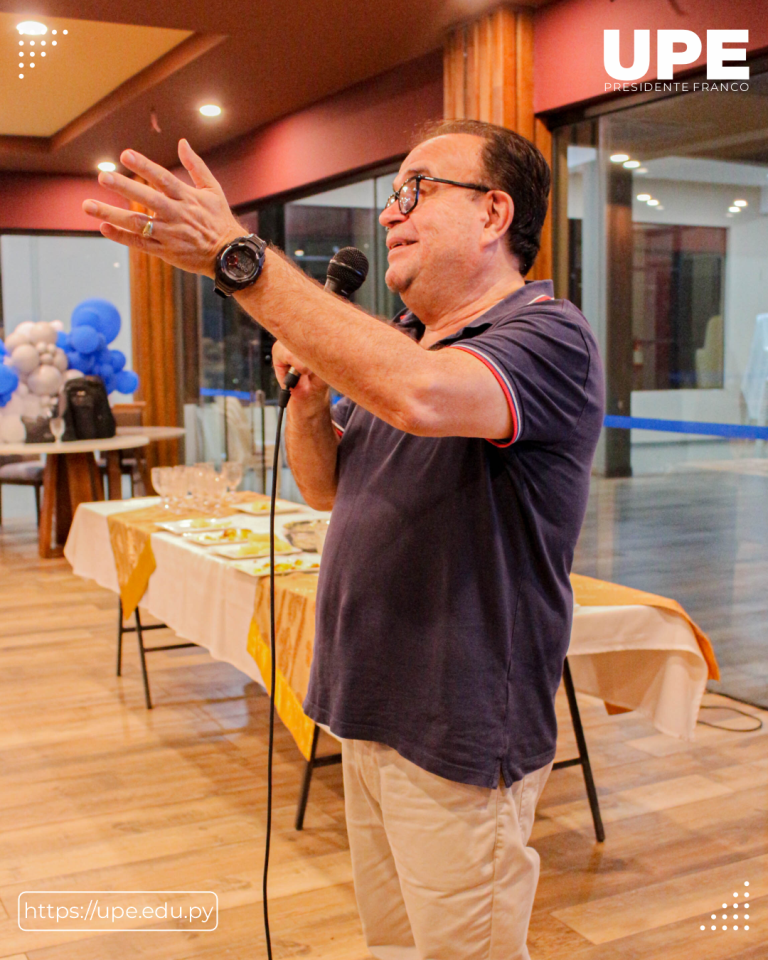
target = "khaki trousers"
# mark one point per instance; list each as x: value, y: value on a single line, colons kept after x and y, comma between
x: 442, y: 870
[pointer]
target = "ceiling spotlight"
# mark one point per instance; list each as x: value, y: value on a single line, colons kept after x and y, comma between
x: 21, y: 76
x: 53, y: 43
x: 210, y: 110
x: 43, y: 53
x: 31, y: 64
x: 653, y: 203
x: 643, y: 196
x: 31, y: 53
x: 21, y: 65
x: 54, y: 32
x: 32, y: 28
x: 740, y: 203
x: 619, y: 157
x: 632, y: 164
x: 31, y: 43
x: 106, y: 166
x: 298, y: 253
x: 659, y: 207
x: 65, y: 32
x: 42, y: 43
x: 21, y: 43
x: 734, y: 209
x: 642, y: 170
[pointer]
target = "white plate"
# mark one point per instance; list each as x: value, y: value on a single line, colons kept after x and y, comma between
x: 260, y: 568
x: 197, y: 525
x: 260, y: 508
x: 245, y: 550
x: 215, y: 538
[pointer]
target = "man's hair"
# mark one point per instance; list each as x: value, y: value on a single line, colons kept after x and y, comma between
x: 513, y: 164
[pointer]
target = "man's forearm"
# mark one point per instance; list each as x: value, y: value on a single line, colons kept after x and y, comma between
x: 312, y: 444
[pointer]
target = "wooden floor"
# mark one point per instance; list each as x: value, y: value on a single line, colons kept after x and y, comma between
x: 98, y: 793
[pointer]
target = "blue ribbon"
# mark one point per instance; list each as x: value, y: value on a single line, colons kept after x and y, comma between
x: 733, y: 431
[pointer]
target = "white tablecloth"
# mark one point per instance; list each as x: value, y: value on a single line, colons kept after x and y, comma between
x: 638, y: 657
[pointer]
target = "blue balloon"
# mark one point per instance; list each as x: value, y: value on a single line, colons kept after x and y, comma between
x: 117, y: 359
x: 110, y: 382
x: 103, y: 370
x: 85, y: 340
x: 62, y: 340
x: 99, y: 314
x: 9, y: 379
x: 126, y: 381
x: 3, y: 351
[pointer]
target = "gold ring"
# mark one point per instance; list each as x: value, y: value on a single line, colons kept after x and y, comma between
x: 147, y: 231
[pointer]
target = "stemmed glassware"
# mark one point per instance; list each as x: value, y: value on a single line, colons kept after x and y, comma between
x: 197, y: 487
x: 58, y: 427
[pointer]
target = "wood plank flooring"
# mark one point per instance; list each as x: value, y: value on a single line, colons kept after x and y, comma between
x: 98, y: 793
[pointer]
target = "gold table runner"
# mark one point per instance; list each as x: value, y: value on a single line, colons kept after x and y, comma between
x: 130, y: 532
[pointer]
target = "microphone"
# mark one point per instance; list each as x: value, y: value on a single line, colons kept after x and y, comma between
x: 346, y: 273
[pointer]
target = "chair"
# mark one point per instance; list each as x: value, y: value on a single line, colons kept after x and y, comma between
x: 133, y: 464
x: 21, y: 472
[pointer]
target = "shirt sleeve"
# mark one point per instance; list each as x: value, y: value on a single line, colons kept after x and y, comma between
x: 541, y: 360
x: 340, y: 413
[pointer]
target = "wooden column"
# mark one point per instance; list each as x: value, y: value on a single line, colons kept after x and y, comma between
x: 488, y: 75
x: 153, y: 322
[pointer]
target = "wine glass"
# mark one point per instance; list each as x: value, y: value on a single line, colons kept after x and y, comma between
x: 160, y: 483
x: 232, y: 472
x: 58, y: 427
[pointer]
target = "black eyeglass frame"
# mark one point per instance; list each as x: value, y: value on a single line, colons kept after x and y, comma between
x: 395, y: 196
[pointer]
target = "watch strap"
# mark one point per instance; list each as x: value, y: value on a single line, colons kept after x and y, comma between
x: 224, y: 286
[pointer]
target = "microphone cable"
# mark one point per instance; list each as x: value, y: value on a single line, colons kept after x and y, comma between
x: 346, y: 273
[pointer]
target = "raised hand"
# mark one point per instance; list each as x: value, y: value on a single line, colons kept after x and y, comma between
x: 189, y: 224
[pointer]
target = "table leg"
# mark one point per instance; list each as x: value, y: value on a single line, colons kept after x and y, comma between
x: 97, y: 484
x: 114, y: 475
x: 50, y: 490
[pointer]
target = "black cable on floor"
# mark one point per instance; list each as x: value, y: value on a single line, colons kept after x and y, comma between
x: 742, y: 713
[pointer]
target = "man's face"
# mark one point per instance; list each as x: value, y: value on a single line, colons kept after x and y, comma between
x: 434, y: 245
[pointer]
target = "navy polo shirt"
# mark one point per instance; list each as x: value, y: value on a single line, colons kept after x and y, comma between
x: 444, y: 604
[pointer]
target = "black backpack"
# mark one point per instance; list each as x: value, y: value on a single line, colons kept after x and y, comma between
x: 86, y: 410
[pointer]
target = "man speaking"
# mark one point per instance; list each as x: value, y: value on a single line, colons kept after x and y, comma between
x: 457, y: 466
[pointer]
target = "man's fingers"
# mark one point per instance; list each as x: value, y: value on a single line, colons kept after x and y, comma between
x: 117, y: 216
x: 138, y: 192
x: 160, y: 178
x: 129, y: 239
x: 195, y: 167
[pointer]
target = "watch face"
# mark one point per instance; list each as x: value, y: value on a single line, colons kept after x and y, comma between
x: 239, y: 263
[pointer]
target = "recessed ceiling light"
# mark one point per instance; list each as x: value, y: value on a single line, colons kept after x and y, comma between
x: 619, y: 157
x: 653, y: 203
x: 298, y: 253
x: 210, y: 110
x: 106, y: 166
x: 65, y: 32
x: 43, y: 53
x: 643, y: 196
x: 54, y: 32
x: 21, y: 65
x: 659, y: 207
x: 740, y: 203
x: 31, y: 64
x: 53, y: 43
x: 734, y: 209
x: 21, y: 43
x: 632, y: 164
x: 21, y: 76
x: 32, y: 28
x: 642, y: 170
x: 31, y: 43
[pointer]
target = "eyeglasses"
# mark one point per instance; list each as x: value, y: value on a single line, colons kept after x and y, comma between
x: 408, y: 195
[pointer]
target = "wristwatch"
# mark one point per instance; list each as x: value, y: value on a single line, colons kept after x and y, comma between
x: 239, y: 264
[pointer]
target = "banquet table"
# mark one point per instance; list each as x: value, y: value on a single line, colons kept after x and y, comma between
x: 633, y: 656
x: 71, y: 477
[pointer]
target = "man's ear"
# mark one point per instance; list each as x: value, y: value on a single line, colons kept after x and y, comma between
x: 501, y: 212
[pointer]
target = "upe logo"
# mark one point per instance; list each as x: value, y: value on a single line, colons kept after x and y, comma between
x: 677, y: 48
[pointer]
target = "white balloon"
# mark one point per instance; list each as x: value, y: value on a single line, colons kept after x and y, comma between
x: 46, y: 380
x: 32, y: 406
x: 14, y: 405
x: 25, y: 358
x: 12, y: 430
x: 26, y: 331
x: 60, y: 360
x: 45, y: 331
x: 45, y: 400
x: 72, y: 375
x: 47, y: 359
x: 14, y: 340
x: 22, y: 390
x: 58, y: 326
